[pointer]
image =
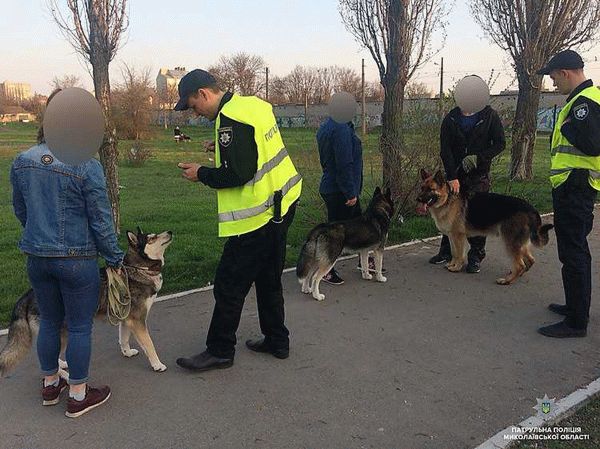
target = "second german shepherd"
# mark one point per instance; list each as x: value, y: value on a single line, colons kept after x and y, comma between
x: 326, y: 242
x: 464, y: 215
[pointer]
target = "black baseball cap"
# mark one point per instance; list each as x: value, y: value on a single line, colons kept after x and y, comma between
x: 190, y: 83
x: 565, y: 60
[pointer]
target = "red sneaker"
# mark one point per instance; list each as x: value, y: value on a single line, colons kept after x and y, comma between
x: 93, y: 398
x: 51, y: 393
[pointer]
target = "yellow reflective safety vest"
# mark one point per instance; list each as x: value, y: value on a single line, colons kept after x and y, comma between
x: 246, y: 208
x: 565, y: 157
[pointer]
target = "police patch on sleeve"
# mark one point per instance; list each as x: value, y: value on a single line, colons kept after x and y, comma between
x: 47, y: 159
x: 225, y: 136
x: 581, y: 111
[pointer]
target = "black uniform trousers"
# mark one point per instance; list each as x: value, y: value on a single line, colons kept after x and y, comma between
x: 573, y: 203
x: 477, y: 244
x: 337, y: 209
x: 256, y: 257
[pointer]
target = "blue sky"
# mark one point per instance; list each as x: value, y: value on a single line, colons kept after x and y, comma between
x: 195, y: 33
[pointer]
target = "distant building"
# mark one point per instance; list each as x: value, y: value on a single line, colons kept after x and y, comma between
x: 15, y: 91
x: 15, y: 114
x: 167, y: 82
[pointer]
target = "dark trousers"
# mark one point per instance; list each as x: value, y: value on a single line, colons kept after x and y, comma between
x: 257, y: 257
x: 476, y: 251
x: 573, y: 203
x: 337, y: 209
x: 477, y: 244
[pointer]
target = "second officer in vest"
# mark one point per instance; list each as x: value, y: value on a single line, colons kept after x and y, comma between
x: 257, y: 189
x: 575, y: 178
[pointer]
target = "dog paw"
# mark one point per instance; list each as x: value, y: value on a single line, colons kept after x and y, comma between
x: 129, y: 352
x: 381, y: 278
x: 319, y: 297
x: 367, y: 276
x: 159, y: 367
x: 62, y: 364
x: 306, y: 290
x: 455, y: 268
x: 63, y: 374
x: 502, y: 281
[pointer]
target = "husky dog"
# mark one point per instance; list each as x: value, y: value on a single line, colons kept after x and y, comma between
x: 464, y: 215
x: 142, y: 264
x: 326, y: 242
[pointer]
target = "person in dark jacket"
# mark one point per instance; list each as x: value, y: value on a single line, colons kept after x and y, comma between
x: 340, y: 153
x: 469, y: 141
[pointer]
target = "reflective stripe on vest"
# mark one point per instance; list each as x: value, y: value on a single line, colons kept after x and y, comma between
x: 565, y: 149
x: 253, y: 211
x: 248, y: 207
x: 565, y: 157
x: 268, y: 166
x: 593, y: 173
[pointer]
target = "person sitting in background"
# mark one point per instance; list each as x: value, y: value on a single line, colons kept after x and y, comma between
x: 179, y: 136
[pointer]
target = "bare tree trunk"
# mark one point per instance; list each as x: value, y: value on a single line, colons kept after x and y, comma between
x: 391, y: 136
x: 525, y: 126
x: 108, y: 152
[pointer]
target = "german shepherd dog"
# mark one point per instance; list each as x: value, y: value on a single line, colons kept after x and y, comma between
x: 142, y: 264
x: 326, y: 241
x: 467, y: 214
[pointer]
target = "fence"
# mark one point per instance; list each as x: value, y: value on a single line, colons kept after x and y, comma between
x: 298, y: 116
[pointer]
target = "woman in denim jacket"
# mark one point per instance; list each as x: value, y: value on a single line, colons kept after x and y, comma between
x: 67, y: 222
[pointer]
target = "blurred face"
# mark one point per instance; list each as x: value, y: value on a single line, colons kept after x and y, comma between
x: 561, y: 80
x: 202, y: 102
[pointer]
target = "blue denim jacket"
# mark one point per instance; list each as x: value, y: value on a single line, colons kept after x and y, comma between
x: 340, y: 152
x: 64, y: 210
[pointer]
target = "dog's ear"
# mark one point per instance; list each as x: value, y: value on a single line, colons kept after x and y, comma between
x: 439, y: 178
x: 377, y: 191
x: 388, y: 194
x: 132, y: 238
x: 425, y: 174
x: 139, y: 231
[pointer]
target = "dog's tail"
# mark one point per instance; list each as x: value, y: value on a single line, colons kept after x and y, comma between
x: 539, y: 232
x: 23, y: 327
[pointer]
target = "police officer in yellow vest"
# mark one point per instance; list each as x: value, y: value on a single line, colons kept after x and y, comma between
x: 257, y: 190
x: 575, y: 178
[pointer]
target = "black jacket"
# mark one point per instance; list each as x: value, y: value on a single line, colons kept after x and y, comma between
x: 486, y: 140
x: 583, y: 127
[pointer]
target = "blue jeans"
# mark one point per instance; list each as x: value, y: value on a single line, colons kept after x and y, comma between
x: 66, y: 289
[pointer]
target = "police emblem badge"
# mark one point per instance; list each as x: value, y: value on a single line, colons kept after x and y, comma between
x: 581, y: 111
x: 225, y: 136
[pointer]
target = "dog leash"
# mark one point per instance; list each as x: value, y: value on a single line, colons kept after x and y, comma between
x: 118, y: 297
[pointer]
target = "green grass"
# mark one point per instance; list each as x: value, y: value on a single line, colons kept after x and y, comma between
x: 587, y: 418
x: 157, y: 198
